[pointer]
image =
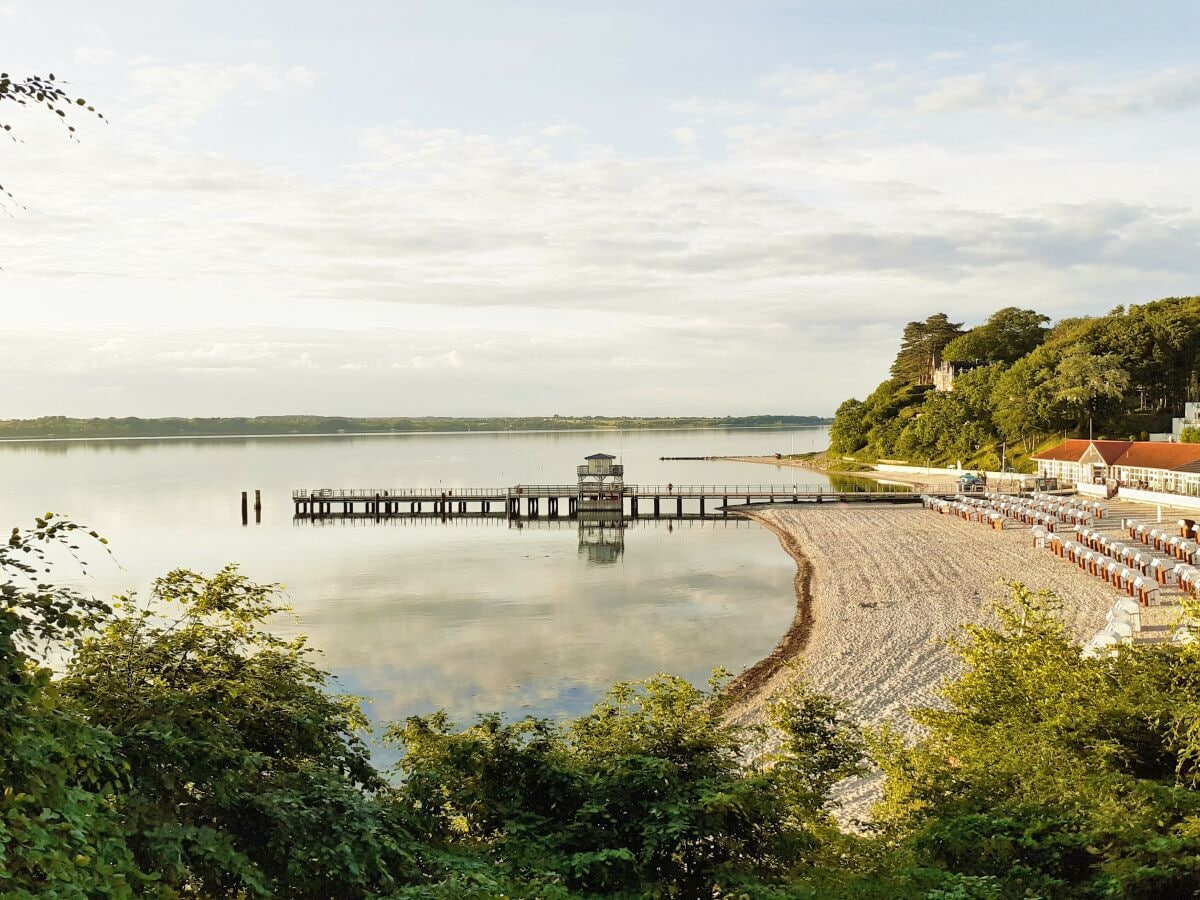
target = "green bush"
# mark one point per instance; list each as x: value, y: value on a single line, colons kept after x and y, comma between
x: 185, y: 751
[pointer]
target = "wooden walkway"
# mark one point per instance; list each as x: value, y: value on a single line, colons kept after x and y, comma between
x: 559, y: 500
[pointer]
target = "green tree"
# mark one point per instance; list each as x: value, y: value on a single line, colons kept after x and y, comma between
x: 921, y: 348
x: 848, y: 432
x: 1024, y: 405
x: 245, y: 777
x: 648, y: 795
x: 953, y: 426
x: 1008, y: 334
x: 943, y: 429
x: 60, y: 835
x: 1085, y: 382
x: 1051, y: 774
x: 1190, y: 435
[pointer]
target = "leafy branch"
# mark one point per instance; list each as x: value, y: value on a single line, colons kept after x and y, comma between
x: 41, y: 91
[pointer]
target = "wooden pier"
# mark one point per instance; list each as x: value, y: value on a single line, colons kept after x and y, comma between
x: 567, y: 501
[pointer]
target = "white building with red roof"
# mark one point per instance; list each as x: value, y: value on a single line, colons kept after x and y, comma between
x: 1141, y: 465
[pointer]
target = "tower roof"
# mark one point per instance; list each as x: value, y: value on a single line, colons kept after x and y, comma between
x: 600, y: 456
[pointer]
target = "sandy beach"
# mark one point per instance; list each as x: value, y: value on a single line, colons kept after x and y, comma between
x: 880, y: 588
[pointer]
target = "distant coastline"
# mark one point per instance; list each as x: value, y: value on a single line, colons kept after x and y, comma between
x: 58, y: 428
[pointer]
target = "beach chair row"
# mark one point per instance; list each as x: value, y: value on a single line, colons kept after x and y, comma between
x: 1024, y: 510
x: 970, y: 509
x: 1095, y: 507
x: 1067, y: 512
x: 1134, y: 554
x: 1163, y: 537
x: 1126, y: 569
x: 1098, y: 509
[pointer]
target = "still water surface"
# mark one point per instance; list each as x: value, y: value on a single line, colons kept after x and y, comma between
x: 470, y: 615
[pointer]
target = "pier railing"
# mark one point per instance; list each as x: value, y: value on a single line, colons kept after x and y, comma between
x: 387, y: 493
x: 665, y: 491
x: 713, y: 490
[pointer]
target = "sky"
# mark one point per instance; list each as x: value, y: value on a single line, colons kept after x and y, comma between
x: 505, y: 208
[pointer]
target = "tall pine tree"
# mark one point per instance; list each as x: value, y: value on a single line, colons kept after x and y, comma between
x: 921, y: 348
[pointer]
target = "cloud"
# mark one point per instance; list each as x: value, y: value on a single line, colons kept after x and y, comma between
x: 710, y: 106
x: 1013, y: 48
x: 729, y: 234
x: 562, y: 129
x: 92, y: 56
x: 451, y: 359
x: 1062, y: 94
x: 831, y: 92
x: 179, y: 96
x: 1062, y: 91
x: 686, y: 136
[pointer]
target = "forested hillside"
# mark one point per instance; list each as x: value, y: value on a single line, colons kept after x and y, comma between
x: 1022, y: 382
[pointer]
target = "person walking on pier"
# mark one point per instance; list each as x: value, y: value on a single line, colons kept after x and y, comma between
x: 670, y: 488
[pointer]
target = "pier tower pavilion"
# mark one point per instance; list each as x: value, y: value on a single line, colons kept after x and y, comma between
x: 601, y: 485
x: 601, y: 508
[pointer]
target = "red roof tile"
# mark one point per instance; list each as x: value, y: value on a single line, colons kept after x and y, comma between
x: 1160, y: 455
x: 1135, y: 454
x: 1072, y: 451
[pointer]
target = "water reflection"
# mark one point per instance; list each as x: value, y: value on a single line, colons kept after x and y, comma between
x: 541, y: 617
x: 470, y: 614
x: 601, y: 538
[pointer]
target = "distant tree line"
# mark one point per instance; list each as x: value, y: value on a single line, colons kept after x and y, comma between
x: 177, y: 748
x: 1023, y: 382
x: 64, y: 427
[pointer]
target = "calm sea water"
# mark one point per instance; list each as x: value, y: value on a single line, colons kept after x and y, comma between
x: 469, y: 615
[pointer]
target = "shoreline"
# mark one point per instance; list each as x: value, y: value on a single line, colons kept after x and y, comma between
x: 606, y: 429
x: 752, y: 681
x: 905, y: 479
x: 879, y: 590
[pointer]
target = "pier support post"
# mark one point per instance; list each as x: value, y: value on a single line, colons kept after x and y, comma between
x: 679, y: 508
x: 656, y: 507
x: 245, y: 510
x: 257, y: 507
x: 633, y: 507
x: 701, y: 506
